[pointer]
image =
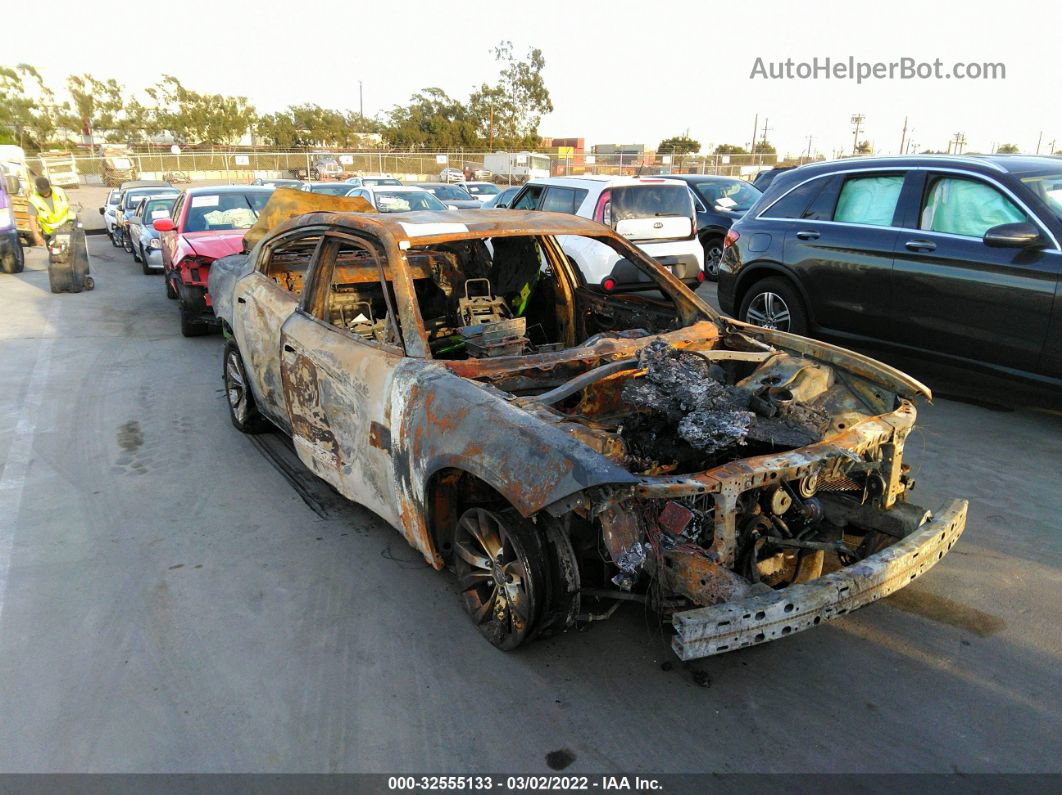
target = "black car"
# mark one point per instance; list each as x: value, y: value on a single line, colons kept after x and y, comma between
x: 950, y: 256
x: 719, y: 202
x: 764, y: 179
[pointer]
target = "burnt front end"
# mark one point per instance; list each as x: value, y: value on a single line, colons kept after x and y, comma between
x: 771, y: 492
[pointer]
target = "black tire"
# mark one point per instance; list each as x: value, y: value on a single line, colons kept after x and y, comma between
x: 760, y: 306
x: 242, y: 410
x: 713, y: 253
x: 136, y: 251
x: 114, y: 239
x: 190, y: 325
x: 494, y: 545
x: 127, y: 243
x: 171, y: 289
x: 16, y: 261
x: 60, y: 279
x: 89, y: 283
x: 144, y: 262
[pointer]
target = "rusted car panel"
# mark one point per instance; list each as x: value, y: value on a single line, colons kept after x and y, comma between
x: 758, y: 619
x: 640, y: 446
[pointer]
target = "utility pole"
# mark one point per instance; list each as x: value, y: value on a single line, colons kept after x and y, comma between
x: 763, y: 139
x: 857, y: 120
x: 361, y: 102
x: 755, y: 132
x: 903, y: 135
x: 490, y: 133
x: 959, y: 141
x: 809, y: 148
x: 1039, y: 141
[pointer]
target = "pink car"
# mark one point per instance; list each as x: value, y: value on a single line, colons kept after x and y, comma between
x: 207, y: 223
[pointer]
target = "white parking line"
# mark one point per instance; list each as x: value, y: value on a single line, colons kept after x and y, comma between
x: 19, y: 454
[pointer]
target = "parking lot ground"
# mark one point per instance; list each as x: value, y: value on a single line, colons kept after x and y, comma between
x: 175, y: 596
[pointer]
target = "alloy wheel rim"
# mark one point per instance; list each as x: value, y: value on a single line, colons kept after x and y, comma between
x: 769, y: 310
x: 235, y: 388
x: 711, y: 263
x: 492, y: 577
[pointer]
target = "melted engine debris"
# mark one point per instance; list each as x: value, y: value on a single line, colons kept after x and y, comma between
x: 690, y: 415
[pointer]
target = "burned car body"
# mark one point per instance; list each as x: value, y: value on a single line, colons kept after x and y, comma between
x: 557, y: 445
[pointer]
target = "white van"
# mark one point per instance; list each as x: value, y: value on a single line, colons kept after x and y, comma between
x: 654, y: 213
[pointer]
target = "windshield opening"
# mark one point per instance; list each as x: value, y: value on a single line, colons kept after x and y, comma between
x: 741, y: 193
x: 1047, y: 187
x: 402, y: 201
x: 216, y: 212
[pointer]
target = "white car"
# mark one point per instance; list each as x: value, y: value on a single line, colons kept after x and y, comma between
x: 397, y: 198
x: 654, y: 213
x: 451, y: 175
x: 484, y: 191
x: 107, y: 211
x: 371, y: 180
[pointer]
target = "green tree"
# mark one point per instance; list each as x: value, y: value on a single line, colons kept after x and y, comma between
x: 1007, y: 149
x: 730, y: 149
x: 864, y: 148
x: 507, y: 114
x: 678, y: 145
x: 432, y: 120
x: 31, y: 119
x: 97, y: 105
x: 195, y: 118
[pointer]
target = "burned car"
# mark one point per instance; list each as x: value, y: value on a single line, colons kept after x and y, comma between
x: 558, y: 446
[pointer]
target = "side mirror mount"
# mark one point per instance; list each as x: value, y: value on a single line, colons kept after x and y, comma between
x: 163, y: 225
x: 1019, y: 235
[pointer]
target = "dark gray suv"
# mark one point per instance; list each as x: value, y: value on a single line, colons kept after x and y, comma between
x: 956, y: 257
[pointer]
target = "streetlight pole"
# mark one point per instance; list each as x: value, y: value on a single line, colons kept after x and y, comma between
x: 361, y: 101
x: 857, y: 120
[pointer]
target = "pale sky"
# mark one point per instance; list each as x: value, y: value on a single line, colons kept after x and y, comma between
x: 619, y: 72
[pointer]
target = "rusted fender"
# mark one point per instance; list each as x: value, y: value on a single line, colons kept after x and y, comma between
x: 288, y: 203
x: 448, y: 421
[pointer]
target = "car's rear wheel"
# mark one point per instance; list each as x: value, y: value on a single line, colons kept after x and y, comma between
x: 501, y: 572
x: 713, y: 253
x: 775, y: 304
x: 242, y: 410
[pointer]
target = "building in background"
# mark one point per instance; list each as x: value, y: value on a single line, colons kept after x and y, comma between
x: 568, y: 155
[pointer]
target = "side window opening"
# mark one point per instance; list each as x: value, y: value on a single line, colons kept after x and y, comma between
x: 869, y: 200
x: 528, y: 200
x: 289, y: 261
x: 360, y: 299
x: 967, y: 207
x: 794, y: 203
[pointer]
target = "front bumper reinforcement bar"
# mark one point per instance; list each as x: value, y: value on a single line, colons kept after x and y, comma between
x: 734, y: 625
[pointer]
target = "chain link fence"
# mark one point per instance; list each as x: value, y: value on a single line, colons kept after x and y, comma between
x: 246, y: 166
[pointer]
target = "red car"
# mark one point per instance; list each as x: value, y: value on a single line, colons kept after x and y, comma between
x: 207, y: 223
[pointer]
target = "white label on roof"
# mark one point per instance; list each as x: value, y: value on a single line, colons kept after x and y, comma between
x: 427, y: 230
x: 205, y: 201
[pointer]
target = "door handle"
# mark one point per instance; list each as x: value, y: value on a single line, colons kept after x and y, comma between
x: 288, y: 348
x: 921, y: 245
x: 241, y: 300
x: 808, y: 234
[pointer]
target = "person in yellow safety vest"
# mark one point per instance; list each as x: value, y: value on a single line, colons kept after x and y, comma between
x: 50, y: 207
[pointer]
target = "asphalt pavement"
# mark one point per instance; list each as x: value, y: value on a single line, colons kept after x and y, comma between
x: 175, y: 596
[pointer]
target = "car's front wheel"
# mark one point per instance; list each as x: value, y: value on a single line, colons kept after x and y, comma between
x: 113, y: 235
x: 775, y: 304
x: 242, y: 410
x: 127, y: 243
x: 501, y: 573
x: 713, y: 253
x: 191, y: 326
